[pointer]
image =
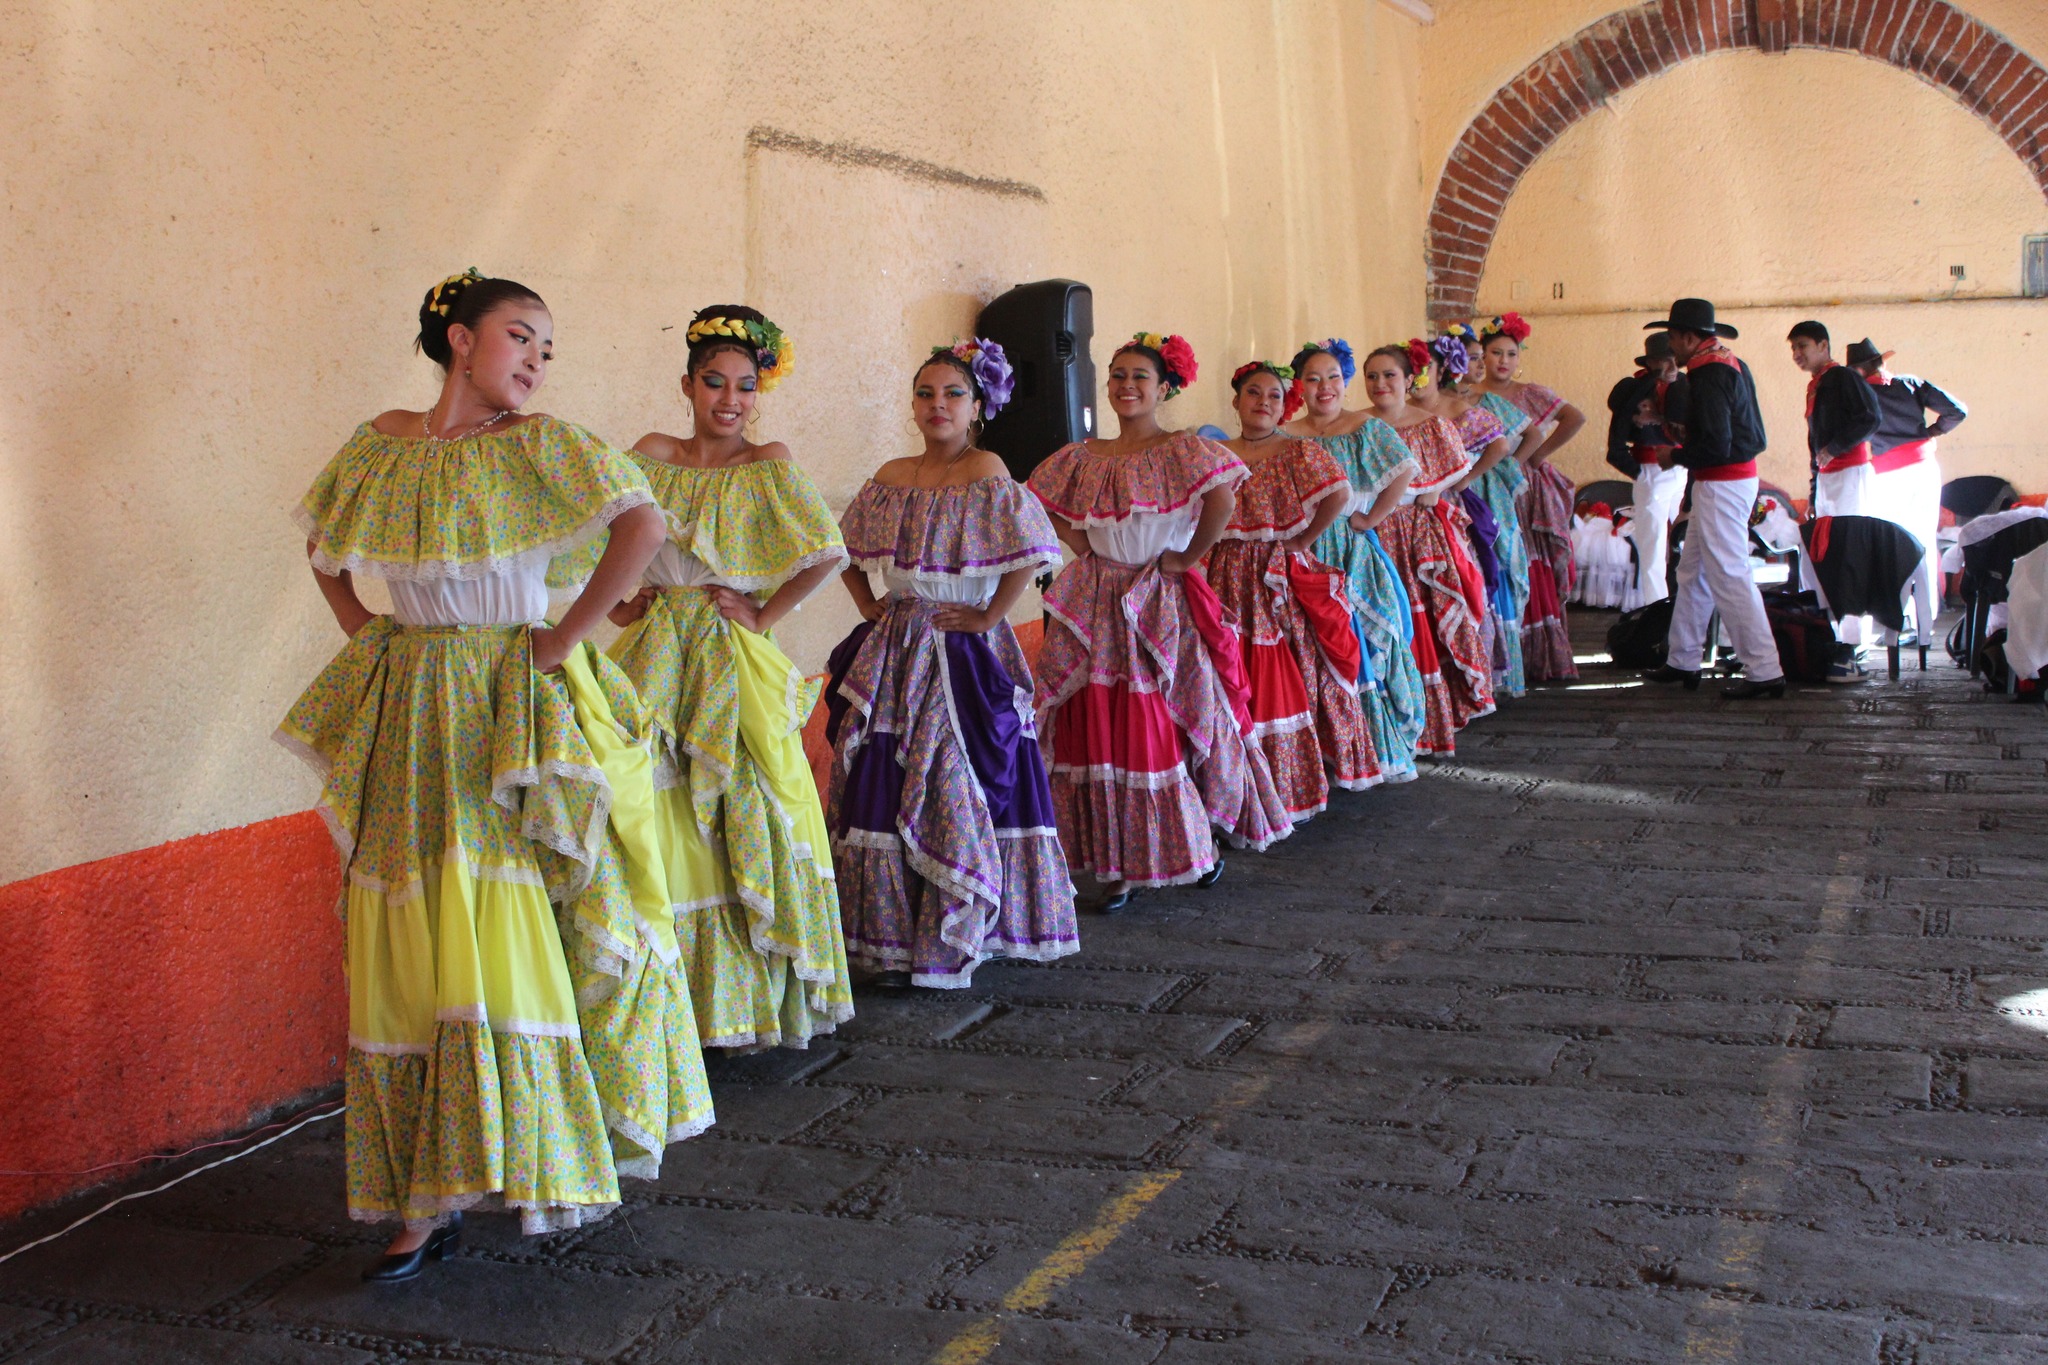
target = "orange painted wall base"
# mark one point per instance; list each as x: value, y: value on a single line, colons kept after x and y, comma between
x: 164, y: 997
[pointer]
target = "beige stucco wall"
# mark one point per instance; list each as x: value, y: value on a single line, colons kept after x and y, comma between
x: 220, y: 218
x: 1816, y: 210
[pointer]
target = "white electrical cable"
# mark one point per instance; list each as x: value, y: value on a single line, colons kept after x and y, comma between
x: 199, y: 1170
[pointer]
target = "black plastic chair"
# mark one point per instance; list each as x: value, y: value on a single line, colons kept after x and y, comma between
x: 1978, y: 495
x: 1987, y: 565
x: 1616, y: 493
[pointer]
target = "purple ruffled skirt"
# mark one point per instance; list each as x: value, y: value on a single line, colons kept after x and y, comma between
x: 941, y: 815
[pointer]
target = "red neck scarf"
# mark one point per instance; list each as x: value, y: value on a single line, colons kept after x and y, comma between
x: 1712, y: 351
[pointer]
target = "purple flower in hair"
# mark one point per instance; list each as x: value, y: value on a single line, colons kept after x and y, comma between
x: 993, y: 372
x: 1450, y: 353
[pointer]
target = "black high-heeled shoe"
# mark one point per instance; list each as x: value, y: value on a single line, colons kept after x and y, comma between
x: 1211, y: 877
x: 1116, y: 902
x: 392, y: 1267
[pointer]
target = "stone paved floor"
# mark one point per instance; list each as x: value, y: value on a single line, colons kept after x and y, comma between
x: 1653, y: 1029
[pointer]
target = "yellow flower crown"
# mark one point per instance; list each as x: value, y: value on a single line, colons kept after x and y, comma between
x: 774, y: 354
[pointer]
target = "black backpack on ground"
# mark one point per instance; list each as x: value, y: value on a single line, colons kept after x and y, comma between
x: 1804, y: 632
x: 1637, y: 638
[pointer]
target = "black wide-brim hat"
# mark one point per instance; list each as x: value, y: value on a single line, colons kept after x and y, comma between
x: 1865, y: 352
x: 1656, y: 349
x: 1692, y: 315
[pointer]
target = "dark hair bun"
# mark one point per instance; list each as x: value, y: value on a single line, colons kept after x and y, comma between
x: 464, y: 300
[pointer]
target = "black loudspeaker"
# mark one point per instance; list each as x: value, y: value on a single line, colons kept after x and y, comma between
x: 1044, y: 328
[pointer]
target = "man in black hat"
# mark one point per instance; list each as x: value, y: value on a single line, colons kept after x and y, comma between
x: 1723, y: 435
x: 1902, y: 455
x: 1640, y: 446
x: 1841, y: 417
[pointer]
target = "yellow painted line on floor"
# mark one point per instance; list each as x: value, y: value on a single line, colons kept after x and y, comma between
x: 1066, y: 1262
x: 1740, y: 1242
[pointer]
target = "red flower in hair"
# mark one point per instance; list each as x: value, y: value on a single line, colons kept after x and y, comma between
x: 1513, y: 325
x: 1296, y: 397
x: 1180, y: 361
x: 1418, y: 355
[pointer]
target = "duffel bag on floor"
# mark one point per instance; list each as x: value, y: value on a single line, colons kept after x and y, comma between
x: 1804, y: 632
x: 1637, y: 638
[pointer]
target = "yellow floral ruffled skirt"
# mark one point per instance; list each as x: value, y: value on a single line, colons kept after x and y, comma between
x: 520, y: 1028
x: 742, y: 828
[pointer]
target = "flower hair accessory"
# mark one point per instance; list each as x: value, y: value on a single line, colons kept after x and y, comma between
x: 1463, y: 332
x: 1511, y: 325
x: 1449, y: 351
x: 1284, y: 373
x: 442, y: 297
x: 1177, y: 355
x: 992, y: 371
x: 774, y: 355
x: 1339, y: 349
x: 1418, y: 361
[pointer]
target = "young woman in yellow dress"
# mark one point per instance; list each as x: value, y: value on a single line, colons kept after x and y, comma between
x: 480, y: 767
x: 743, y: 832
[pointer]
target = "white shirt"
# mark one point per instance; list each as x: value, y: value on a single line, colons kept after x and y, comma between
x: 967, y: 590
x: 1144, y: 536
x: 675, y: 567
x: 516, y: 596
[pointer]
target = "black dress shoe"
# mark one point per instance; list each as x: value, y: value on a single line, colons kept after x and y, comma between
x: 1212, y: 876
x: 1749, y: 689
x: 896, y: 982
x: 1116, y: 902
x: 1665, y: 673
x: 390, y: 1268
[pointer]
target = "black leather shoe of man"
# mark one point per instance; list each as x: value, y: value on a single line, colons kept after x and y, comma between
x: 1665, y: 673
x: 1749, y: 689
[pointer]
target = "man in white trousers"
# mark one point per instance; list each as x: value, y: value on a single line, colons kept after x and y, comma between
x: 1902, y: 463
x: 1723, y: 435
x: 1841, y: 417
x: 1639, y: 445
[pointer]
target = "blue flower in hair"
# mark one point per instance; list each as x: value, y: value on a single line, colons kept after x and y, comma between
x: 1346, y: 360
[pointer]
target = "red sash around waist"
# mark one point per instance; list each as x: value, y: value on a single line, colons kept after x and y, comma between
x: 1849, y: 459
x: 1902, y: 455
x: 1725, y: 473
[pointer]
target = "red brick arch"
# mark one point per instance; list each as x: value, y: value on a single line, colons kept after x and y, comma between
x: 1930, y: 39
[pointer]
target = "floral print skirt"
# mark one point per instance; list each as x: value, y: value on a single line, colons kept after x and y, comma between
x: 519, y: 1028
x: 1143, y: 703
x: 941, y: 814
x: 1302, y: 662
x: 743, y: 832
x: 1449, y: 646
